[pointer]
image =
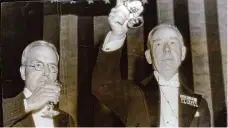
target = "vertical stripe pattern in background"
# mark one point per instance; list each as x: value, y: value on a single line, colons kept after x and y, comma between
x: 215, y: 63
x: 201, y: 74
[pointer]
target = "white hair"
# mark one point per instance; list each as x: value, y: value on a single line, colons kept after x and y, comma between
x: 34, y: 44
x: 163, y: 25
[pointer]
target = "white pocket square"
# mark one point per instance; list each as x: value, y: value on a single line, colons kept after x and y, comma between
x: 197, y: 114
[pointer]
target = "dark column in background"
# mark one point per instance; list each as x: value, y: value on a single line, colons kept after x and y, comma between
x: 1, y: 112
x: 150, y: 18
x: 181, y: 20
x: 150, y: 21
x: 85, y: 68
x: 215, y: 63
x: 21, y: 23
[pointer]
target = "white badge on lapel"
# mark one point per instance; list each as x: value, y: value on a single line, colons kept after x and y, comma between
x: 189, y: 100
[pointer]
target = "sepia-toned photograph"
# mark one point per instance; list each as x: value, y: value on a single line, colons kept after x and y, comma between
x: 113, y: 63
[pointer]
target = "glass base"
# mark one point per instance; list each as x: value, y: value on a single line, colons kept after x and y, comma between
x: 50, y: 113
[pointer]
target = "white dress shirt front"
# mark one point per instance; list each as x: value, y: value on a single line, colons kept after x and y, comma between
x: 169, y: 100
x: 37, y: 116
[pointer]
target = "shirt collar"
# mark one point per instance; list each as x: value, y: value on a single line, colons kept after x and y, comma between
x: 27, y: 93
x: 173, y: 82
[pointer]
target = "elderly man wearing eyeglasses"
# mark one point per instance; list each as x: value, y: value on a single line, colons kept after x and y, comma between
x: 39, y: 70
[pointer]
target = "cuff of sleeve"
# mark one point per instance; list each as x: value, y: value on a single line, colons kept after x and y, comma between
x: 26, y: 105
x: 110, y: 46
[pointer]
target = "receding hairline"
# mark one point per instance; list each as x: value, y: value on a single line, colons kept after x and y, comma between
x: 163, y: 26
x: 36, y: 44
x: 159, y: 39
x: 40, y: 51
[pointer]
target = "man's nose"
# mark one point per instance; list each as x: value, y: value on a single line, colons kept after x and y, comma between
x: 166, y: 48
x: 46, y: 71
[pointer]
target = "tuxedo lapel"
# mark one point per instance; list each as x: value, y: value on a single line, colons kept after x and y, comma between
x: 152, y: 97
x: 188, y: 105
x: 58, y: 121
x: 62, y: 120
x: 27, y: 121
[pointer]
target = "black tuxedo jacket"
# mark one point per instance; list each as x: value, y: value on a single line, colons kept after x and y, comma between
x: 138, y: 104
x: 14, y: 114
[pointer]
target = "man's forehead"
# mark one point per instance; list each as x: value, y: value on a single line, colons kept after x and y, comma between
x: 42, y: 59
x: 165, y: 33
x: 42, y: 53
x: 157, y: 39
x: 166, y: 30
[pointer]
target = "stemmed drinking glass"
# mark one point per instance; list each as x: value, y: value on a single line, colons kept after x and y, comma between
x: 133, y: 7
x: 50, y: 112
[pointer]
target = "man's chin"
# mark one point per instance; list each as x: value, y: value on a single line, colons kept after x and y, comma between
x: 168, y: 70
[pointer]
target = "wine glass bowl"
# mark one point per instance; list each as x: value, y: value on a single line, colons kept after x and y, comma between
x: 135, y: 22
x: 50, y: 112
x: 134, y: 7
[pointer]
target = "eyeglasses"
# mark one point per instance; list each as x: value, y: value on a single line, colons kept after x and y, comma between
x: 40, y: 66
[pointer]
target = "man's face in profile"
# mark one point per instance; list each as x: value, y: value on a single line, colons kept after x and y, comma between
x: 44, y: 58
x: 167, y: 51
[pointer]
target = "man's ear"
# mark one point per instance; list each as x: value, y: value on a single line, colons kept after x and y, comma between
x: 22, y: 71
x: 148, y: 56
x: 183, y: 53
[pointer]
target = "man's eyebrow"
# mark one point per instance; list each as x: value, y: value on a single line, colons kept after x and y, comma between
x: 53, y: 64
x: 38, y: 61
x: 156, y: 40
x: 175, y: 38
x: 35, y: 62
